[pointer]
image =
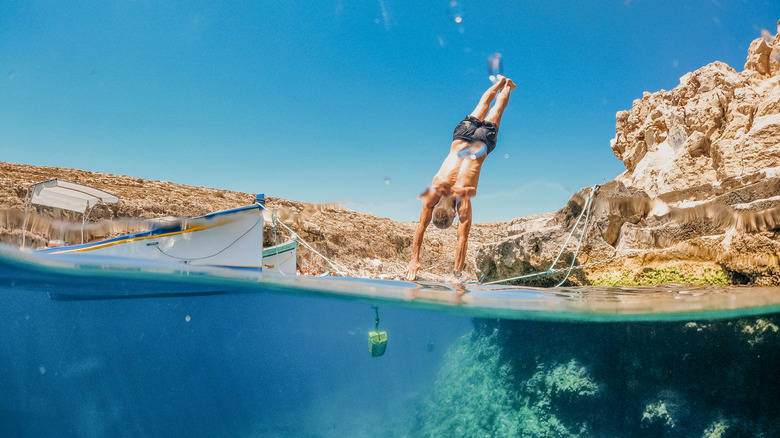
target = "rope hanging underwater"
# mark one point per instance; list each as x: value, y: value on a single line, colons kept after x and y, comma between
x: 586, y: 208
x: 377, y: 340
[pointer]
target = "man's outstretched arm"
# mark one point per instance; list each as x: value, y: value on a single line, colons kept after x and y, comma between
x: 429, y: 200
x: 419, y: 233
x: 464, y: 227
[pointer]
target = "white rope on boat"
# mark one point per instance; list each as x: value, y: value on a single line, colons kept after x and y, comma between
x: 299, y: 238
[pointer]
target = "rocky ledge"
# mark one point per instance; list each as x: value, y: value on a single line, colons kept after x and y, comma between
x: 699, y: 200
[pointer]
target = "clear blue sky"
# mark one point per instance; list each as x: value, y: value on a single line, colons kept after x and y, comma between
x: 347, y: 100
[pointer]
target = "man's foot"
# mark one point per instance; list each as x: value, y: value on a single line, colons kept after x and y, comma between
x: 498, y: 84
x: 509, y: 84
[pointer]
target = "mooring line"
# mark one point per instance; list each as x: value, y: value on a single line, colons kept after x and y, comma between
x: 551, y: 270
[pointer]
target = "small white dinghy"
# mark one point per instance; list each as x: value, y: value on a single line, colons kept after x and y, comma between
x: 281, y: 259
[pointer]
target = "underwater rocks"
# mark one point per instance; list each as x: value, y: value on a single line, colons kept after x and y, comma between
x: 701, y: 190
x: 531, y: 379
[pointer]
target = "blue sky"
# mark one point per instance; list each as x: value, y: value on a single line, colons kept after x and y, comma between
x: 347, y: 100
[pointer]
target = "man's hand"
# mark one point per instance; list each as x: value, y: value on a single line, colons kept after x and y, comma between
x: 412, y: 270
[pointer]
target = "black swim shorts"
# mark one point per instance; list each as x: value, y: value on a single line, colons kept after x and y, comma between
x: 472, y: 129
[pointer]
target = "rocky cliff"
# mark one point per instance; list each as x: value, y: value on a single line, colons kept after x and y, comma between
x: 700, y: 194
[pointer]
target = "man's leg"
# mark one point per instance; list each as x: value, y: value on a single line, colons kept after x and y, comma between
x: 494, y: 116
x: 429, y: 199
x: 484, y: 103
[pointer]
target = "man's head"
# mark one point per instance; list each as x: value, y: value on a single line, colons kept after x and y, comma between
x: 444, y: 212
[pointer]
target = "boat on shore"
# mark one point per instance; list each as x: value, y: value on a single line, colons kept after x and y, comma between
x: 229, y: 238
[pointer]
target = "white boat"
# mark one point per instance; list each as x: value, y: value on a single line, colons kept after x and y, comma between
x: 230, y: 238
x: 281, y: 259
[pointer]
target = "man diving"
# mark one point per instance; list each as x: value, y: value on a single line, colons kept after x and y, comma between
x: 456, y: 182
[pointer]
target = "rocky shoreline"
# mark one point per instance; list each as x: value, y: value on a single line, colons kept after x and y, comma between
x: 699, y: 201
x: 700, y: 197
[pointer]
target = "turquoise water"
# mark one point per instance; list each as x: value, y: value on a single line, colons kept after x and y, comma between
x: 96, y: 347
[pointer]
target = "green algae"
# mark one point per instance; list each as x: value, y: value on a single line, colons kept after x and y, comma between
x: 666, y: 275
x: 473, y: 396
x: 755, y: 331
x: 480, y: 394
x: 657, y: 413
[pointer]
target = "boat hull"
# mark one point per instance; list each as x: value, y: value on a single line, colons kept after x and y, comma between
x: 230, y: 238
x: 281, y: 259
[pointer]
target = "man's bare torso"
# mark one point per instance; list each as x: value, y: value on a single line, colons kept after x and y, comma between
x: 458, y: 176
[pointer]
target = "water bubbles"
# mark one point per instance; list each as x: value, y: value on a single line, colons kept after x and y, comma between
x: 495, y: 67
x: 506, y: 156
x: 42, y: 370
x: 456, y: 14
x: 187, y: 318
x: 456, y: 11
x: 387, y: 180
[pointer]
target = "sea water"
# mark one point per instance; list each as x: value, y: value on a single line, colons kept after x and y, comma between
x: 91, y: 350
